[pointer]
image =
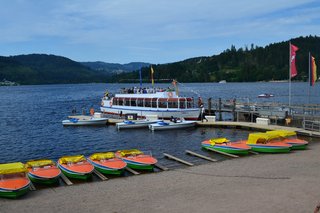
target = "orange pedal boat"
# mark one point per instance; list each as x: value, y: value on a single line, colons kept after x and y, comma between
x: 13, y: 180
x: 76, y: 166
x: 107, y: 163
x: 43, y: 171
x: 136, y: 159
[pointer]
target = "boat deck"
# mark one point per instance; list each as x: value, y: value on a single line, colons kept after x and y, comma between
x: 81, y: 117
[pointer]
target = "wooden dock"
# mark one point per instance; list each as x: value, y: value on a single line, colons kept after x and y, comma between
x: 65, y: 179
x: 223, y: 153
x: 132, y: 171
x: 200, y: 156
x: 99, y: 175
x: 258, y: 127
x: 178, y: 159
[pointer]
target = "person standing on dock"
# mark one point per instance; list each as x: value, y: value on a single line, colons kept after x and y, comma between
x: 91, y: 111
x: 200, y: 102
x: 203, y: 113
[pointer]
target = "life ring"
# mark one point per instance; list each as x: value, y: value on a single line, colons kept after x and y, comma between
x: 102, y: 103
x: 170, y: 94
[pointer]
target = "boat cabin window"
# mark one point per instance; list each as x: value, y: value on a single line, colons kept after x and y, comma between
x: 154, y: 102
x: 182, y: 104
x: 133, y: 102
x: 147, y: 102
x: 127, y: 101
x: 173, y: 103
x: 140, y: 102
x: 162, y: 103
x: 190, y: 103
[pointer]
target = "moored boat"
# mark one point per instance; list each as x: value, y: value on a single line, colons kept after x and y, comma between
x: 128, y: 124
x: 84, y: 121
x: 163, y: 103
x: 13, y: 180
x: 224, y: 145
x: 107, y: 163
x: 267, y: 143
x: 265, y: 95
x: 162, y: 125
x: 290, y: 137
x: 137, y: 159
x: 43, y: 171
x: 76, y: 166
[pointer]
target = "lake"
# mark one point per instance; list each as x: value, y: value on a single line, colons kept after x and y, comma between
x: 30, y: 119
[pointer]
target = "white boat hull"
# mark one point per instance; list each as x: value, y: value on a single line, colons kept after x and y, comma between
x: 85, y: 122
x: 188, y: 114
x: 135, y: 124
x: 172, y: 125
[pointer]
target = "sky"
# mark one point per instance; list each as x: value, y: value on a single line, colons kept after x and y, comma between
x: 157, y: 32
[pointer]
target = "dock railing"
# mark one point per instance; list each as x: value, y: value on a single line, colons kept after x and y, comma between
x: 273, y: 111
x: 311, y: 125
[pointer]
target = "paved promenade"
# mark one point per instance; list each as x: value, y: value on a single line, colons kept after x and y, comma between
x: 257, y: 183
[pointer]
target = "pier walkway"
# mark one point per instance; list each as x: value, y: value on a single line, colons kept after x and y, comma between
x: 258, y: 127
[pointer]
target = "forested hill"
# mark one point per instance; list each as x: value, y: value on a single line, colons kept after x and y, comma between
x: 47, y: 69
x: 238, y: 65
x: 115, y: 68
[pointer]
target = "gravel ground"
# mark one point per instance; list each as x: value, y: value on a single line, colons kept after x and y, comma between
x: 258, y: 183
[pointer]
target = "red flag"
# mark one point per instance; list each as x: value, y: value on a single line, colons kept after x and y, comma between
x: 313, y: 71
x: 293, y: 69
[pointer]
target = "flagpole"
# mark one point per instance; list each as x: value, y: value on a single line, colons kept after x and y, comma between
x: 309, y: 77
x: 290, y: 77
x: 140, y: 76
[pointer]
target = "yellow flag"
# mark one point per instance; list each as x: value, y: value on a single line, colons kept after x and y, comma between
x: 152, y: 80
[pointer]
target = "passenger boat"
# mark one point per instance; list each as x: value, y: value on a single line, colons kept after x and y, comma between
x: 224, y: 145
x: 290, y: 137
x: 82, y: 120
x: 161, y: 102
x: 128, y: 124
x: 107, y: 163
x: 162, y: 125
x: 43, y: 171
x: 137, y: 159
x: 13, y: 180
x: 76, y: 166
x: 267, y: 143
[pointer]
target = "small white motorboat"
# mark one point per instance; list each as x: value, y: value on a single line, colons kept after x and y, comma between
x: 265, y: 95
x: 162, y: 125
x: 84, y: 121
x: 130, y: 124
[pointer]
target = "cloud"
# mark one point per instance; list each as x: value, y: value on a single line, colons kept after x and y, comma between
x: 172, y: 30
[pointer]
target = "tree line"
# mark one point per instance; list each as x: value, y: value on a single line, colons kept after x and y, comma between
x: 248, y: 64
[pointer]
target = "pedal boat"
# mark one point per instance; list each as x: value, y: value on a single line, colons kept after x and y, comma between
x: 136, y: 159
x: 107, y: 163
x: 13, y: 180
x: 267, y: 143
x: 76, y: 167
x: 224, y: 145
x: 43, y: 171
x: 129, y: 124
x: 290, y: 137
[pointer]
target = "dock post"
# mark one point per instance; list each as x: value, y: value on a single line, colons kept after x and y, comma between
x: 209, y: 106
x: 234, y: 109
x: 220, y: 115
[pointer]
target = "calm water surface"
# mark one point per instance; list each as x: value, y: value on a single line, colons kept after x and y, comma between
x: 30, y: 119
